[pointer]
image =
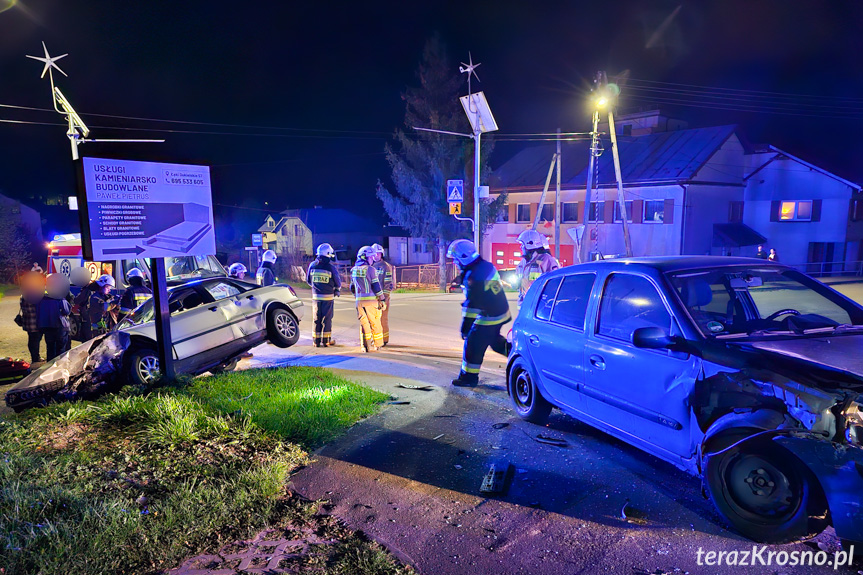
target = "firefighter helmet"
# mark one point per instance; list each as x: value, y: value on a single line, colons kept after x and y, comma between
x: 366, y: 253
x: 105, y: 280
x: 236, y: 269
x: 326, y: 250
x: 134, y: 273
x: 463, y: 252
x: 269, y: 256
x: 530, y: 240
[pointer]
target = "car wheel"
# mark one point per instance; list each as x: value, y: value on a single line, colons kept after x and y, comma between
x: 766, y: 493
x: 142, y: 366
x: 227, y: 366
x: 282, y: 328
x: 74, y: 327
x: 529, y: 403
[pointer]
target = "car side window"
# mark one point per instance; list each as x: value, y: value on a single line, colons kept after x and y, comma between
x: 630, y: 302
x: 570, y: 307
x: 185, y: 300
x: 221, y: 290
x: 546, y: 299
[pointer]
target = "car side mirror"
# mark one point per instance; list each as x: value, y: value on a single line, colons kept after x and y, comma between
x: 652, y: 338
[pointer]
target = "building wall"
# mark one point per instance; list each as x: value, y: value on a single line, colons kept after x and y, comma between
x: 788, y: 180
x: 403, y: 251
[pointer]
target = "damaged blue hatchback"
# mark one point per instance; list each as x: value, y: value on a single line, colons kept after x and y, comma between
x: 743, y: 372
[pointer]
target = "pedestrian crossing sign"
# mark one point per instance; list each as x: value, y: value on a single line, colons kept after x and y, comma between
x: 455, y: 208
x: 454, y: 191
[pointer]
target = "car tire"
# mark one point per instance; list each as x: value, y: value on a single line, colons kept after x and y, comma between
x: 142, y: 366
x: 229, y: 365
x: 74, y: 327
x: 283, y: 330
x: 766, y: 493
x: 526, y: 398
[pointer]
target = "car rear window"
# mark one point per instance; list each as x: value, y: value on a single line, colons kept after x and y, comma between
x: 570, y: 305
x: 546, y: 299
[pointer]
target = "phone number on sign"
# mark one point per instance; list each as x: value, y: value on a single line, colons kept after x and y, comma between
x: 185, y: 181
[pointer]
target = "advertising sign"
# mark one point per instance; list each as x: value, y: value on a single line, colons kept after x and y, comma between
x: 132, y: 209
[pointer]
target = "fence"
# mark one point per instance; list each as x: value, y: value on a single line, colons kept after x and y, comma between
x: 423, y: 276
x: 821, y: 269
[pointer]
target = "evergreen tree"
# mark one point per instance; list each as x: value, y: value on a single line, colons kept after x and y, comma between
x: 422, y: 162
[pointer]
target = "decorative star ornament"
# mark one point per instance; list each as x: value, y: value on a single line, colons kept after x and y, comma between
x: 469, y: 68
x: 50, y: 62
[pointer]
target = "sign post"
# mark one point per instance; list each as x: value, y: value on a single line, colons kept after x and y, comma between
x: 130, y: 209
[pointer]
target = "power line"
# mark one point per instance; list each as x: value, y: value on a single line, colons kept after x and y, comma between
x: 741, y: 91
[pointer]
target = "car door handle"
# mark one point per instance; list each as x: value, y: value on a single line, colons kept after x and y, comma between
x: 214, y: 308
x: 597, y: 362
x: 250, y: 297
x: 533, y: 340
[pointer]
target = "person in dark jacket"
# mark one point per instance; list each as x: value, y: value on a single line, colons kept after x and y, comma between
x: 136, y: 294
x: 33, y: 289
x: 81, y: 304
x: 484, y: 310
x: 100, y: 305
x: 266, y: 275
x: 53, y: 319
x: 326, y: 282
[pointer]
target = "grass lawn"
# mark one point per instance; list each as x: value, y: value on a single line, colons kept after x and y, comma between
x: 4, y: 288
x: 135, y: 483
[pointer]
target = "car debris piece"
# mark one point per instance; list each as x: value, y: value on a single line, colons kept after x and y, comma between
x: 417, y: 387
x: 500, y: 425
x: 398, y: 403
x: 495, y: 479
x: 551, y: 441
x: 632, y: 515
x: 80, y: 373
x: 438, y: 437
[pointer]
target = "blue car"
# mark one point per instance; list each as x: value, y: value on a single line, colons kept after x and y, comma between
x: 743, y: 372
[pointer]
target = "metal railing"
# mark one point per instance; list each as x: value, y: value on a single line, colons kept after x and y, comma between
x: 828, y: 269
x: 422, y: 276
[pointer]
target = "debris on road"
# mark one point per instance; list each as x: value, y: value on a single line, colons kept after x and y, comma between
x: 398, y: 403
x: 417, y: 387
x: 632, y: 515
x: 495, y: 480
x: 438, y: 437
x: 551, y: 441
x: 500, y: 425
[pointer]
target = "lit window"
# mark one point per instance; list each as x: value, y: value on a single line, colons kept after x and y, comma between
x: 499, y: 262
x: 498, y: 253
x: 796, y: 211
x: 517, y: 254
x: 654, y: 211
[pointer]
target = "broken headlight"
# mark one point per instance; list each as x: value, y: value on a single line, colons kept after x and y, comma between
x: 854, y: 415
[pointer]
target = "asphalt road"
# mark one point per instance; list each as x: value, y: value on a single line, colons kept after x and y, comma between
x: 410, y: 477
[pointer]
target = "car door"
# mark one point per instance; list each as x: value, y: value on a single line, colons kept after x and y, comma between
x: 232, y: 305
x: 557, y: 336
x: 641, y: 392
x: 202, y: 323
x: 249, y: 301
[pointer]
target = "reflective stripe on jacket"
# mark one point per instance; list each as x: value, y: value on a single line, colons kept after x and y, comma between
x: 485, y: 301
x: 385, y: 271
x: 324, y: 279
x: 529, y: 270
x: 364, y: 282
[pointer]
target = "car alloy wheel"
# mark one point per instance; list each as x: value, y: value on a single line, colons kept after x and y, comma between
x: 147, y: 367
x: 282, y: 328
x: 286, y: 325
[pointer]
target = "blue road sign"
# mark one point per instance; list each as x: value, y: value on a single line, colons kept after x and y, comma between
x: 455, y: 191
x: 257, y: 239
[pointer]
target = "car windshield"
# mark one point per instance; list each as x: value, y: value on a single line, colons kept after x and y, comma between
x: 192, y: 267
x: 741, y: 301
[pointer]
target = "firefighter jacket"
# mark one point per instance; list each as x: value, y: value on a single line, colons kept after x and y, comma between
x: 529, y: 269
x: 265, y: 275
x: 364, y: 282
x: 485, y: 301
x: 386, y: 273
x: 324, y: 279
x: 136, y: 294
x: 98, y: 306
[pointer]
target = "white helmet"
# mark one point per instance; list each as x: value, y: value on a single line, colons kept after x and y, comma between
x: 545, y: 243
x: 530, y: 240
x: 104, y: 280
x: 325, y: 250
x: 463, y: 252
x: 378, y: 248
x: 269, y: 256
x: 366, y: 253
x: 134, y: 273
x: 236, y: 269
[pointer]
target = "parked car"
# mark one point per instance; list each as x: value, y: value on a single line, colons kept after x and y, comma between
x: 746, y: 373
x: 213, y: 322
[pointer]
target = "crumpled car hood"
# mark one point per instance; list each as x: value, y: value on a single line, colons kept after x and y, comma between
x: 843, y: 352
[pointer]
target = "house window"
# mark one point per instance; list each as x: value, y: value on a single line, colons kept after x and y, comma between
x: 796, y: 211
x: 284, y: 231
x: 856, y: 210
x: 522, y: 215
x: 570, y: 212
x: 503, y: 214
x: 596, y: 212
x: 617, y: 217
x: 547, y: 212
x: 654, y: 211
x: 735, y: 212
x: 627, y: 129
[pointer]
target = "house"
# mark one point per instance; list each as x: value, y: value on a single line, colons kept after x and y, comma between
x: 687, y: 191
x: 406, y: 250
x: 344, y: 230
x: 289, y: 237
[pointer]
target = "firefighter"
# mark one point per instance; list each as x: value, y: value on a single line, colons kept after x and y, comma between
x: 325, y: 281
x: 484, y: 310
x: 136, y: 294
x: 266, y: 275
x: 369, y: 298
x: 101, y: 306
x: 386, y: 272
x: 536, y: 260
x: 237, y: 271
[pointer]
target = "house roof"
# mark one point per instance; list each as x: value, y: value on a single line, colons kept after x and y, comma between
x: 779, y: 154
x: 652, y: 158
x: 334, y: 220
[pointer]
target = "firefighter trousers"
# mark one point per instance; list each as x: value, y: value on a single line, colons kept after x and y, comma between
x: 323, y: 311
x: 371, y: 336
x: 385, y: 319
x: 480, y: 338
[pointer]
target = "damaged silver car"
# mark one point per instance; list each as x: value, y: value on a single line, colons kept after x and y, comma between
x: 744, y: 372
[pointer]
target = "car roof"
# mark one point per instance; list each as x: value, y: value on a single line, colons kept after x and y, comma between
x: 670, y: 263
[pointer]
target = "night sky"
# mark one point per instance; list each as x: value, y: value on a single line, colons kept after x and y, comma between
x: 306, y: 94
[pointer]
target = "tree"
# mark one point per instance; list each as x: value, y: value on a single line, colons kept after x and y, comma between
x: 422, y: 162
x: 15, y: 254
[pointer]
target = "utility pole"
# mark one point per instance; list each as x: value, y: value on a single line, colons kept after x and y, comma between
x: 588, y: 193
x: 557, y: 203
x: 620, y: 197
